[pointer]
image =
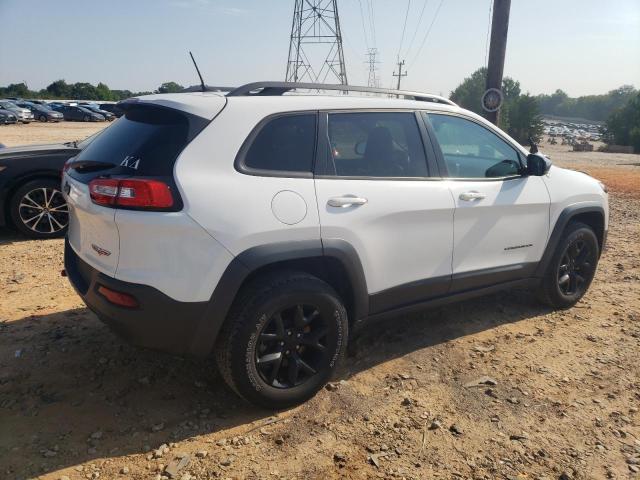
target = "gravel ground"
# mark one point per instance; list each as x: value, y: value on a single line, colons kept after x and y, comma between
x: 498, y: 387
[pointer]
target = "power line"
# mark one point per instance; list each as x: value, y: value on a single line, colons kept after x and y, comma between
x: 415, y: 32
x: 364, y: 29
x: 372, y: 21
x: 426, y: 35
x: 486, y: 44
x: 404, y: 27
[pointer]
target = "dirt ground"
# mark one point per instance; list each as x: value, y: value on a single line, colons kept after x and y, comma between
x: 562, y: 400
x: 37, y: 132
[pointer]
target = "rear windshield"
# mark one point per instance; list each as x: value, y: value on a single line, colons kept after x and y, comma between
x: 145, y: 141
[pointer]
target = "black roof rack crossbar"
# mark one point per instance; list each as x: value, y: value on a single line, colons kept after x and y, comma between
x: 279, y: 88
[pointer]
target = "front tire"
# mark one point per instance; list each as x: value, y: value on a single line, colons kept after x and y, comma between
x: 38, y: 209
x: 571, y: 268
x: 283, y: 339
x: 42, y: 118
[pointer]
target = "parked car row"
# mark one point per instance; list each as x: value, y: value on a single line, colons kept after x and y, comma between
x: 17, y: 110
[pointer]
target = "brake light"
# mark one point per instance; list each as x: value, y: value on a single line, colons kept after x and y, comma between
x: 118, y: 298
x: 66, y: 166
x: 134, y: 193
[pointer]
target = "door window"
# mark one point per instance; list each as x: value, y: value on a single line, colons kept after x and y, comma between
x: 283, y: 144
x: 471, y: 150
x: 376, y: 144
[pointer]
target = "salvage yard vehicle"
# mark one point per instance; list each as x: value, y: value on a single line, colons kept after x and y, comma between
x: 268, y: 228
x: 42, y: 113
x: 7, y: 117
x: 74, y: 112
x: 22, y: 114
x: 30, y: 196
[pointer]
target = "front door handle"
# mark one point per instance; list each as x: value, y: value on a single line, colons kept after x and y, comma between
x: 346, y: 201
x: 472, y: 196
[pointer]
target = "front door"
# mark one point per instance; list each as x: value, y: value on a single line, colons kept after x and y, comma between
x: 374, y: 192
x: 501, y: 222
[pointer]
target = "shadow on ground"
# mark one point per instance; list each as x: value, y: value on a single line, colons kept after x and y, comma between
x: 72, y: 392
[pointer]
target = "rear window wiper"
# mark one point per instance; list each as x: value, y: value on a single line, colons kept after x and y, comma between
x: 91, y: 165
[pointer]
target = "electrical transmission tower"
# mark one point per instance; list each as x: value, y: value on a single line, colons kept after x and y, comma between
x: 373, y: 81
x: 315, y: 50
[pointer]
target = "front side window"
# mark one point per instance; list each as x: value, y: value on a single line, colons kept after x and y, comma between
x: 472, y: 151
x: 376, y: 144
x: 284, y: 144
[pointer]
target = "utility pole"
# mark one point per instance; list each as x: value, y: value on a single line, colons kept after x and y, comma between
x: 371, y: 60
x: 400, y: 74
x: 315, y: 47
x: 497, y: 50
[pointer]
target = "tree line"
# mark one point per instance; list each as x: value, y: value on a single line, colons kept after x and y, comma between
x: 521, y: 114
x: 590, y: 107
x: 60, y: 89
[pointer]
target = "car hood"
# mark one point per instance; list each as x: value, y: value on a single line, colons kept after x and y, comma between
x: 31, y: 150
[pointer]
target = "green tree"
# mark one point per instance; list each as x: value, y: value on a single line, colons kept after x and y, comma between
x: 170, y: 87
x: 17, y: 90
x: 623, y: 125
x: 103, y: 92
x: 83, y: 91
x: 519, y: 115
x: 58, y: 89
x: 591, y: 107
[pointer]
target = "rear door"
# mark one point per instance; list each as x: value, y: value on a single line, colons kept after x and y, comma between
x: 374, y: 191
x: 144, y: 143
x: 502, y: 215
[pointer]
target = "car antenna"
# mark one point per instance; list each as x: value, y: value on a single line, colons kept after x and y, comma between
x: 204, y: 89
x: 534, y: 146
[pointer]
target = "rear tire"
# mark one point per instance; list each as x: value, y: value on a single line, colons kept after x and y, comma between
x: 283, y: 339
x: 38, y: 209
x: 571, y: 268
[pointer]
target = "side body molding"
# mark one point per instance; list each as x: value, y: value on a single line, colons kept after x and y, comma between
x: 563, y: 219
x: 255, y: 258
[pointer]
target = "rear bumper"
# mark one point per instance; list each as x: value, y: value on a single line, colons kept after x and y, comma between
x: 159, y: 322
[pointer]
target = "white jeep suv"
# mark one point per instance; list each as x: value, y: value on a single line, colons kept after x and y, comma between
x: 266, y: 226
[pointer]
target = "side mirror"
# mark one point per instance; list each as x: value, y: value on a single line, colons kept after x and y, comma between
x: 537, y: 164
x: 360, y: 148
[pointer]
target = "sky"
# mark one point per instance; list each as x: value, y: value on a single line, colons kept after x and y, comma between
x: 581, y: 46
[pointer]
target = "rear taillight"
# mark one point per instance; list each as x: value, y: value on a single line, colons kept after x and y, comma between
x: 66, y: 166
x: 131, y: 193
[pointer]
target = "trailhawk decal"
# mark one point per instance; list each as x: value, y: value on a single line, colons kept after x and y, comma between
x: 519, y: 246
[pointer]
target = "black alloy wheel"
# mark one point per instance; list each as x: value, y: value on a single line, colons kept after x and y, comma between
x: 292, y: 346
x: 576, y: 268
x: 39, y: 210
x: 571, y: 268
x: 283, y: 339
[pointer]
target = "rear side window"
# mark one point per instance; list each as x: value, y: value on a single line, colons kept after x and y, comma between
x: 145, y: 141
x: 283, y: 144
x: 376, y: 144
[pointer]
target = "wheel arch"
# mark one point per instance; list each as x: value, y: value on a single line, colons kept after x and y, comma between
x: 333, y: 261
x: 591, y: 214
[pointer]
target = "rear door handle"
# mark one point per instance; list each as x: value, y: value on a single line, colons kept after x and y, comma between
x: 346, y: 201
x: 471, y: 196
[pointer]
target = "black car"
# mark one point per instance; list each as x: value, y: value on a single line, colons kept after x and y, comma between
x: 113, y: 108
x: 74, y: 112
x: 30, y: 197
x: 41, y: 112
x: 110, y: 117
x: 7, y: 117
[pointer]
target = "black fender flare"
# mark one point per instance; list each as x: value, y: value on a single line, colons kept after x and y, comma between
x: 254, y: 258
x: 564, y: 218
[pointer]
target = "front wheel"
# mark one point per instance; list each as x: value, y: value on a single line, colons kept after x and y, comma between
x: 283, y: 339
x: 572, y: 267
x: 42, y: 118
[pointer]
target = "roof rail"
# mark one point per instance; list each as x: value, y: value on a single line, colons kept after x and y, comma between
x: 279, y: 88
x: 208, y: 88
